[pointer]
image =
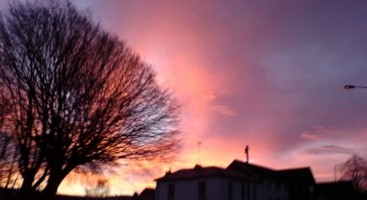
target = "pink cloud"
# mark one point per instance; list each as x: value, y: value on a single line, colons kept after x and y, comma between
x: 265, y: 74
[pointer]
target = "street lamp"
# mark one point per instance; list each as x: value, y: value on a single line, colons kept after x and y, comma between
x: 348, y: 87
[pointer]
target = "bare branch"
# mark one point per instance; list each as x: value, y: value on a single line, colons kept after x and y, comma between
x: 355, y: 170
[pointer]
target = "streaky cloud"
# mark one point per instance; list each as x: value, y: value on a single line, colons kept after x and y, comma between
x: 330, y: 149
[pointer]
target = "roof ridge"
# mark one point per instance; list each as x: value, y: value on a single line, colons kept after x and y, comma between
x: 294, y: 169
x: 268, y: 168
x: 253, y: 165
x: 200, y: 167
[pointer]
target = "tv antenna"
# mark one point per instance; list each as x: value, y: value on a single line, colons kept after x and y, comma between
x: 199, y: 145
x: 247, y: 153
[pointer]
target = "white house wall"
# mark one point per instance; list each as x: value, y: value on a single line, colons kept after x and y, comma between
x: 271, y: 190
x: 216, y: 189
x: 189, y: 189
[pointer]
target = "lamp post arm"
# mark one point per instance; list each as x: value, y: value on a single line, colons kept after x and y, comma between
x: 347, y: 87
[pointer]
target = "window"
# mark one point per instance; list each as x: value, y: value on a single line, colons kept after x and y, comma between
x: 171, y: 192
x: 254, y: 192
x: 202, y: 191
x: 243, y: 191
x: 277, y: 185
x: 230, y: 190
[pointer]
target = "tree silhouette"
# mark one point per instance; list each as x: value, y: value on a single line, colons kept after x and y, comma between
x: 355, y: 170
x: 77, y: 95
x: 8, y: 151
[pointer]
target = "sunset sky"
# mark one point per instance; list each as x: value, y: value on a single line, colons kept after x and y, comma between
x: 268, y: 74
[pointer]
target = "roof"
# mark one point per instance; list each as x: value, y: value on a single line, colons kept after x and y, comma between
x: 255, y: 170
x: 330, y: 186
x: 147, y: 194
x: 298, y: 175
x: 335, y: 190
x: 303, y: 175
x: 200, y: 172
x: 241, y: 170
x: 148, y: 191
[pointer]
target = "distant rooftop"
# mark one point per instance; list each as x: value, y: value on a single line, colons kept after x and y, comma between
x: 303, y: 174
x: 199, y: 172
x: 242, y: 170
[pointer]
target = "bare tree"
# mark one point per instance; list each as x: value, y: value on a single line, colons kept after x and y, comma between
x: 78, y: 96
x: 9, y: 172
x: 8, y: 162
x: 355, y: 170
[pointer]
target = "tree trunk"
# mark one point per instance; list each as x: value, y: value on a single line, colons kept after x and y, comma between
x: 26, y: 191
x: 53, y: 183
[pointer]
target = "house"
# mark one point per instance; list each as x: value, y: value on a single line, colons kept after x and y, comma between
x: 294, y: 184
x: 239, y: 181
x: 203, y: 183
x: 300, y: 181
x: 336, y: 190
x: 147, y: 194
x: 269, y: 183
